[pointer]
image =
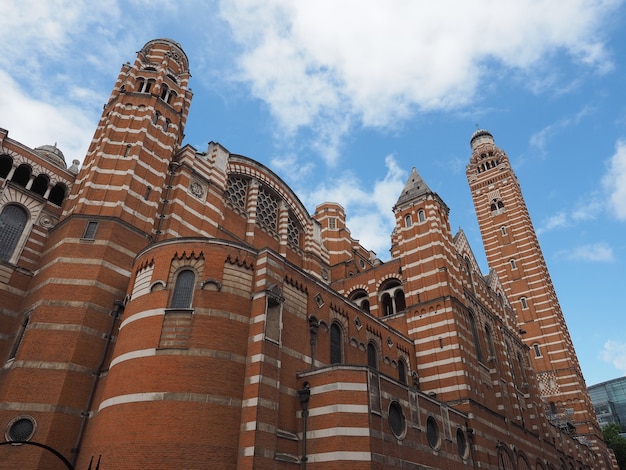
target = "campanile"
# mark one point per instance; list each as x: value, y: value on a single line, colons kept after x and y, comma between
x: 512, y: 249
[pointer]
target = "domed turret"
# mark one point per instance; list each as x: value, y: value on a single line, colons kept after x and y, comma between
x: 479, y: 137
x: 52, y: 153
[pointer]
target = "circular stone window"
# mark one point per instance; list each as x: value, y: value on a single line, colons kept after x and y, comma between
x: 432, y: 433
x: 461, y: 443
x: 396, y: 420
x: 21, y: 428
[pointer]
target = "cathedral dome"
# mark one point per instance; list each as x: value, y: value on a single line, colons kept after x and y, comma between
x: 52, y: 153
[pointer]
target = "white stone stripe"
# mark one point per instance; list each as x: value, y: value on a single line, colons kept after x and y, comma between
x: 344, y: 431
x: 339, y: 386
x: 340, y: 456
x: 142, y: 315
x: 133, y: 355
x: 339, y: 408
x: 168, y: 396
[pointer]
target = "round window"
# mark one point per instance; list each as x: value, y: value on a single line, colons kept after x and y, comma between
x: 396, y: 420
x: 21, y: 428
x: 432, y: 433
x: 461, y: 443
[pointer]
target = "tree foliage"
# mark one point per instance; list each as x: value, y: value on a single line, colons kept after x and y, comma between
x: 616, y: 442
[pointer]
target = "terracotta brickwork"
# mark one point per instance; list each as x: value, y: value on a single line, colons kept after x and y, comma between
x: 513, y: 251
x: 175, y: 308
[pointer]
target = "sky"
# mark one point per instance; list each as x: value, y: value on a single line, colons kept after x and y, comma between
x: 343, y: 98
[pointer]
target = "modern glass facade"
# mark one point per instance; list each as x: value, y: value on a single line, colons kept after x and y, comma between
x: 609, y: 401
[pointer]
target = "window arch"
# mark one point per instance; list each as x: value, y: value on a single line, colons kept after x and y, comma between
x: 496, y: 206
x: 6, y: 163
x: 372, y: 356
x: 57, y: 194
x: 361, y: 298
x: 12, y: 223
x: 155, y: 119
x: 490, y: 345
x: 335, y: 344
x: 392, y: 297
x: 148, y: 85
x: 408, y: 221
x: 141, y: 83
x: 183, y: 289
x: 524, y: 303
x: 475, y: 337
x: 164, y: 90
x: 22, y: 175
x: 40, y: 185
x: 421, y: 215
x: 402, y: 371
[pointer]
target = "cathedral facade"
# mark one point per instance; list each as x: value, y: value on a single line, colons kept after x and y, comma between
x: 163, y: 307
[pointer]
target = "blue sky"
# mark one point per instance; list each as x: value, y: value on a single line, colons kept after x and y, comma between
x: 342, y: 98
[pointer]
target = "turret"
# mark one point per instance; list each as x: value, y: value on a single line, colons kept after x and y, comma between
x: 139, y: 133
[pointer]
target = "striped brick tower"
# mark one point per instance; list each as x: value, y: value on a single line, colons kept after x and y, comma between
x: 75, y: 297
x: 513, y: 251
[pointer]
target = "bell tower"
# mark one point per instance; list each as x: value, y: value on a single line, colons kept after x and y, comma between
x: 512, y: 249
x: 141, y: 128
x: 73, y: 303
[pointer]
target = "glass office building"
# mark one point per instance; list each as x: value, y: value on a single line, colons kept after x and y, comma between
x: 609, y: 401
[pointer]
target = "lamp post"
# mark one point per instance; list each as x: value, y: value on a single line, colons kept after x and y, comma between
x: 304, y: 395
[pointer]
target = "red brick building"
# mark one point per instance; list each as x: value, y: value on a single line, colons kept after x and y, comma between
x: 169, y: 308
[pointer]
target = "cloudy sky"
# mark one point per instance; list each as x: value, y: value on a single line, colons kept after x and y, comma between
x: 342, y: 98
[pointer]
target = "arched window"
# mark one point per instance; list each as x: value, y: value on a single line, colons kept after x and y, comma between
x: 183, y: 289
x: 6, y: 163
x: 421, y: 215
x: 171, y: 97
x: 479, y: 353
x: 141, y: 83
x: 537, y: 350
x: 492, y: 350
x: 22, y: 175
x: 387, y: 304
x: 156, y: 117
x: 148, y: 86
x: 399, y: 300
x: 164, y: 90
x: 40, y: 185
x: 12, y: 222
x: 335, y: 344
x: 360, y: 298
x: 513, y: 264
x: 167, y: 125
x: 57, y: 194
x: 407, y: 220
x: 402, y: 371
x: 503, y: 230
x: 522, y: 368
x: 392, y: 298
x: 372, y: 356
x: 524, y: 303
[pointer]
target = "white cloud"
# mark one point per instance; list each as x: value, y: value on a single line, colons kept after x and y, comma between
x: 368, y: 210
x: 36, y: 123
x: 596, y: 252
x: 539, y: 139
x: 615, y: 181
x: 556, y: 221
x: 614, y: 353
x: 375, y: 63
